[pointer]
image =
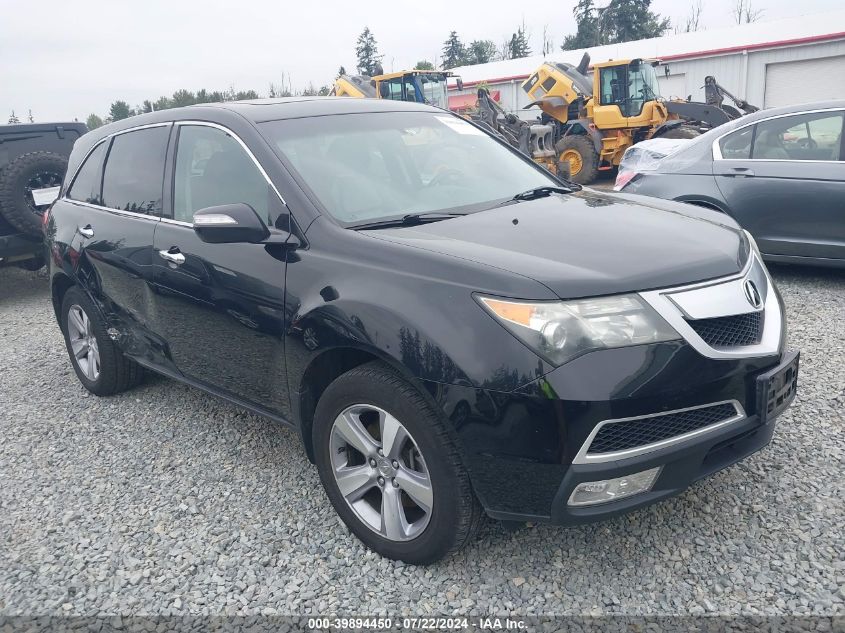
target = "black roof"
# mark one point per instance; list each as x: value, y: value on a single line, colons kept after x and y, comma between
x: 258, y: 110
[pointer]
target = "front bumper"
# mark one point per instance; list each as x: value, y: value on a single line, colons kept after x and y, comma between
x: 681, y: 466
x: 521, y: 448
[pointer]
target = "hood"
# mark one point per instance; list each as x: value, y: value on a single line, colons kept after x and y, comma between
x: 589, y: 243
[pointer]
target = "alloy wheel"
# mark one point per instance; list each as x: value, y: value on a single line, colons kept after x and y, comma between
x: 83, y: 342
x: 381, y: 472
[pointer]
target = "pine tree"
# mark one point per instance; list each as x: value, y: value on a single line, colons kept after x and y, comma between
x: 369, y: 61
x: 453, y: 51
x: 13, y: 119
x: 518, y: 46
x: 119, y: 110
x: 621, y: 21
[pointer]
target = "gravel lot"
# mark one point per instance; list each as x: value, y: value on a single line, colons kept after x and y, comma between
x: 164, y: 500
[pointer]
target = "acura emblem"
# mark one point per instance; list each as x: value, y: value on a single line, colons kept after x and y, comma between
x: 752, y: 294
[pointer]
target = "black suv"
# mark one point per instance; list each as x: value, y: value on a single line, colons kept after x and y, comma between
x: 450, y: 329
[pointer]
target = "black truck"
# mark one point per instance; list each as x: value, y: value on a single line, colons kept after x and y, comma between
x: 33, y: 161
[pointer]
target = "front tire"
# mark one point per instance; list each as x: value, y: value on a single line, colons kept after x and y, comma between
x: 682, y: 131
x: 391, y: 468
x: 579, y: 151
x: 97, y: 360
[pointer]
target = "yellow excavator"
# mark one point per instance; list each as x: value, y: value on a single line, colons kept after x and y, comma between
x: 421, y: 86
x: 596, y: 119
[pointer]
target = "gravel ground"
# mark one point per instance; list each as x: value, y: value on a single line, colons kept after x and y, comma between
x: 166, y: 501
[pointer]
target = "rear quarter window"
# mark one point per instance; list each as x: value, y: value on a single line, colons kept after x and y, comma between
x: 88, y: 182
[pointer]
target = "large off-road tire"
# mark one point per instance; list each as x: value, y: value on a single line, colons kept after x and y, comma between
x: 682, y: 131
x: 97, y: 360
x: 34, y: 170
x: 391, y: 467
x: 580, y: 152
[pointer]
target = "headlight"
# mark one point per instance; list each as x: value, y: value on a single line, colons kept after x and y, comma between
x: 560, y: 331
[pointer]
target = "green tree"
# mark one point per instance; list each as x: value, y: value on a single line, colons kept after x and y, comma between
x: 341, y: 72
x: 631, y: 20
x: 424, y: 64
x: 119, y: 110
x: 518, y: 46
x: 480, y: 52
x: 453, y: 51
x: 182, y: 98
x: 162, y: 103
x: 245, y: 95
x: 93, y: 121
x: 324, y: 91
x: 366, y: 49
x: 621, y: 21
x: 13, y: 119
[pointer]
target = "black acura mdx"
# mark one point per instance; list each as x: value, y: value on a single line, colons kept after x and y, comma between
x: 450, y: 329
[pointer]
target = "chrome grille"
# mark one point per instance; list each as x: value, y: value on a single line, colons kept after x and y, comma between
x: 730, y: 331
x: 624, y: 435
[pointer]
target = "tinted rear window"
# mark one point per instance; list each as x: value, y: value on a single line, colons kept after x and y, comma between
x: 86, y: 185
x: 134, y: 172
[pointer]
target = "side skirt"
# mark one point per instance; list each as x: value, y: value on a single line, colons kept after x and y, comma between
x: 203, y: 387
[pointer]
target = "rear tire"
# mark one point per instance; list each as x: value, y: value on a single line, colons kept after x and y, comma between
x: 580, y: 152
x: 98, y: 362
x: 33, y: 170
x: 375, y: 404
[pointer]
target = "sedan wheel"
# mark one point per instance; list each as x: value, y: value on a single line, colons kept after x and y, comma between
x: 381, y: 472
x: 83, y: 343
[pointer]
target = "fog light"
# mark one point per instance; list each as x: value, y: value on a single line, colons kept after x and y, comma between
x: 595, y: 492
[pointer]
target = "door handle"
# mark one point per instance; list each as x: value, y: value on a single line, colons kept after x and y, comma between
x: 86, y: 231
x: 173, y: 256
x: 742, y: 172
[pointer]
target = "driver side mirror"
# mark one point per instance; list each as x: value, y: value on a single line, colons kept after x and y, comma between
x: 230, y: 224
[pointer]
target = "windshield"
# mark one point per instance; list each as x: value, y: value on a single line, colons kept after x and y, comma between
x: 434, y: 90
x: 643, y: 81
x: 375, y: 166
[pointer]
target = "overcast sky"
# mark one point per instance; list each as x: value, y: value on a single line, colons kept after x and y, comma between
x: 70, y: 58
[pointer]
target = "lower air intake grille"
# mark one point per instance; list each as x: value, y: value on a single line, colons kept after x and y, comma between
x: 730, y: 331
x: 627, y: 434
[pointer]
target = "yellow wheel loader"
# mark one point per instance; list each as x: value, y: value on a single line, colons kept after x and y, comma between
x: 596, y: 119
x: 429, y: 86
x: 421, y: 86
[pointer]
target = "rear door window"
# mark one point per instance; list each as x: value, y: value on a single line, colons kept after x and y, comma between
x: 811, y: 136
x: 134, y: 172
x: 88, y: 182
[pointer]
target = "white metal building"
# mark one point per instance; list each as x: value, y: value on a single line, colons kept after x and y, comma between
x: 782, y: 62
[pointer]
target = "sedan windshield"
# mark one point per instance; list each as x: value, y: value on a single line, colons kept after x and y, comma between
x: 369, y: 167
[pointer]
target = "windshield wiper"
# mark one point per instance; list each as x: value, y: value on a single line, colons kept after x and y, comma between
x: 412, y: 219
x: 542, y: 192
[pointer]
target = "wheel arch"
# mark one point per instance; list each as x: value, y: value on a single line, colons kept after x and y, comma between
x: 322, y: 371
x: 59, y: 286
